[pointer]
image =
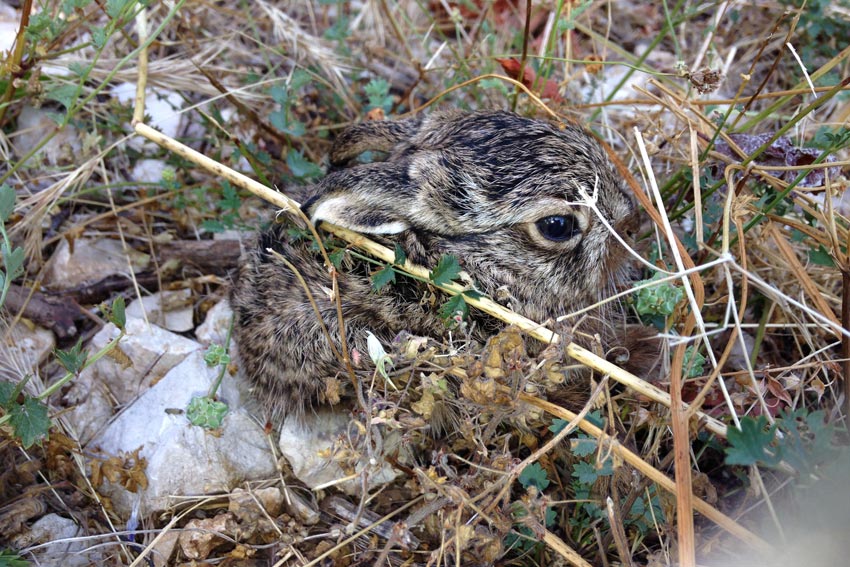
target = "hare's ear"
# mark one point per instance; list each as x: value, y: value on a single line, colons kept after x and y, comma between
x: 378, y: 135
x: 368, y: 199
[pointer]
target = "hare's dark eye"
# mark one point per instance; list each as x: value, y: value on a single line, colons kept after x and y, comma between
x: 558, y: 228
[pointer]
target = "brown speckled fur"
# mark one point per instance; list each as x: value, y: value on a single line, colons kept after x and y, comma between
x: 468, y: 184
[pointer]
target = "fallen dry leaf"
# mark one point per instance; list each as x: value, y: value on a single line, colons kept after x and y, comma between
x: 529, y: 79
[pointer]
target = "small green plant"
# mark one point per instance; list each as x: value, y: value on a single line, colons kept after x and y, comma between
x: 694, y: 362
x: 660, y: 299
x: 378, y: 92
x: 386, y: 275
x: 300, y: 167
x: 207, y: 411
x: 586, y: 472
x: 798, y: 438
x: 28, y: 415
x: 534, y: 480
x: 819, y: 27
x: 227, y: 209
x: 455, y: 310
x: 13, y: 258
x: 534, y: 475
x: 285, y: 96
x: 216, y: 355
x: 446, y: 270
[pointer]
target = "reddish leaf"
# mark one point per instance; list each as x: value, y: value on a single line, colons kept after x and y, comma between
x: 529, y: 77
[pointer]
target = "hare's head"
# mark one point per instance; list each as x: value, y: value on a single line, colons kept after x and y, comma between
x: 529, y: 208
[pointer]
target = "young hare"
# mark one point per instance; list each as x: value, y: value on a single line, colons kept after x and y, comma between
x: 509, y: 196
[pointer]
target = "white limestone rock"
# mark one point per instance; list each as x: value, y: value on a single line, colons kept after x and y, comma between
x: 144, y: 355
x: 171, y: 310
x: 183, y: 459
x: 216, y: 325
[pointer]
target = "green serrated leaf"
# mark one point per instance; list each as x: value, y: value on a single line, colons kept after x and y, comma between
x: 606, y: 468
x: 400, y: 256
x: 472, y: 294
x: 117, y: 315
x: 7, y: 202
x: 534, y: 475
x: 584, y: 446
x: 98, y: 37
x: 383, y: 277
x: 300, y: 78
x: 78, y: 69
x: 65, y: 95
x: 453, y: 309
x: 206, y: 412
x: 585, y: 473
x: 279, y: 94
x: 558, y: 425
x: 821, y: 257
x: 72, y: 359
x: 296, y: 129
x: 377, y: 90
x: 230, y: 197
x: 301, y: 167
x: 446, y: 270
x: 42, y: 27
x: 7, y: 390
x: 336, y: 257
x: 29, y: 421
x: 751, y: 444
x: 280, y: 119
x: 115, y: 7
x: 595, y: 417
